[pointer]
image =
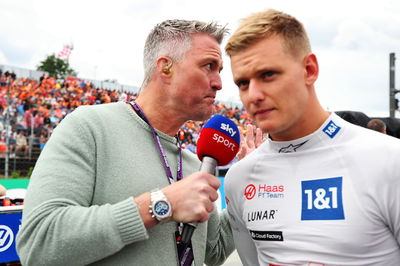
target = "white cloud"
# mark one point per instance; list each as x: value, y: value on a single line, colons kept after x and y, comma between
x: 3, y: 59
x: 352, y: 39
x: 352, y: 80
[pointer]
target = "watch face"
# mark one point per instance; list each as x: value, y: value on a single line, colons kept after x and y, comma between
x: 161, y: 208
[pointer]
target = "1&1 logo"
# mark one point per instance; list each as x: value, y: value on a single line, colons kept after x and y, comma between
x: 322, y: 199
x: 331, y: 129
x: 6, y: 237
x: 250, y: 191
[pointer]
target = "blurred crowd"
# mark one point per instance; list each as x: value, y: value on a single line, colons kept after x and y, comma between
x: 35, y: 107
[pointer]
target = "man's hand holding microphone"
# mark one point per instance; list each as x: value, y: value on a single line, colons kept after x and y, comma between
x: 191, y: 200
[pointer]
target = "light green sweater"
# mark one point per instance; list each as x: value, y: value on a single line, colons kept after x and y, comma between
x: 79, y: 207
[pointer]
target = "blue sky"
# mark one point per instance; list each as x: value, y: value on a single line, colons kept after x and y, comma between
x: 352, y: 40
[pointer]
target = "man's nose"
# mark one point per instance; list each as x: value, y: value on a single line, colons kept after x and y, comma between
x: 255, y: 92
x: 216, y: 82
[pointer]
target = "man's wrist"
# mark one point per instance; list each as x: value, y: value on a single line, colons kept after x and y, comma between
x: 142, y: 203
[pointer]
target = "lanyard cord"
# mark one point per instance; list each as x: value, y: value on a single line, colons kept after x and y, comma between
x: 186, y: 252
x: 163, y: 157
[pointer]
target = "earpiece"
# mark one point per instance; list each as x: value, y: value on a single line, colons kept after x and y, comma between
x: 167, y: 68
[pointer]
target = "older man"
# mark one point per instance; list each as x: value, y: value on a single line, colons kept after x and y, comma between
x: 108, y: 189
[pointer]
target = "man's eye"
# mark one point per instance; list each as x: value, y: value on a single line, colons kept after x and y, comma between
x: 242, y: 84
x: 268, y: 74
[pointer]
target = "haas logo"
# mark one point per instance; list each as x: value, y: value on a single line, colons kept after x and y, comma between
x: 229, y: 129
x: 6, y: 237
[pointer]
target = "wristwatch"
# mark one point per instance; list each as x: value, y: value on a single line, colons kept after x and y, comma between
x: 160, y: 207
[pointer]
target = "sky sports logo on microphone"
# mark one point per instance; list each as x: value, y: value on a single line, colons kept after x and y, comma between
x: 229, y: 129
x: 227, y: 143
x: 219, y: 139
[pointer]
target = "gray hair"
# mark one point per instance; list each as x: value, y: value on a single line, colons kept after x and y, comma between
x: 173, y: 38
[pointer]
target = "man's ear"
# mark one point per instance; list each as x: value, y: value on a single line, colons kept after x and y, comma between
x: 164, y: 66
x: 311, y: 69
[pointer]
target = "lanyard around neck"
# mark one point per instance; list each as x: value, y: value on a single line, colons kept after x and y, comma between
x: 163, y: 157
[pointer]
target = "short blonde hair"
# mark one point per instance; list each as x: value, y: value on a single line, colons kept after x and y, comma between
x: 265, y: 24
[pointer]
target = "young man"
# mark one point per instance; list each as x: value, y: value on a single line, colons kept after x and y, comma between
x: 318, y: 191
x: 89, y: 195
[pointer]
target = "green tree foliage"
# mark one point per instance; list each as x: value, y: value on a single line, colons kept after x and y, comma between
x: 56, y: 67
